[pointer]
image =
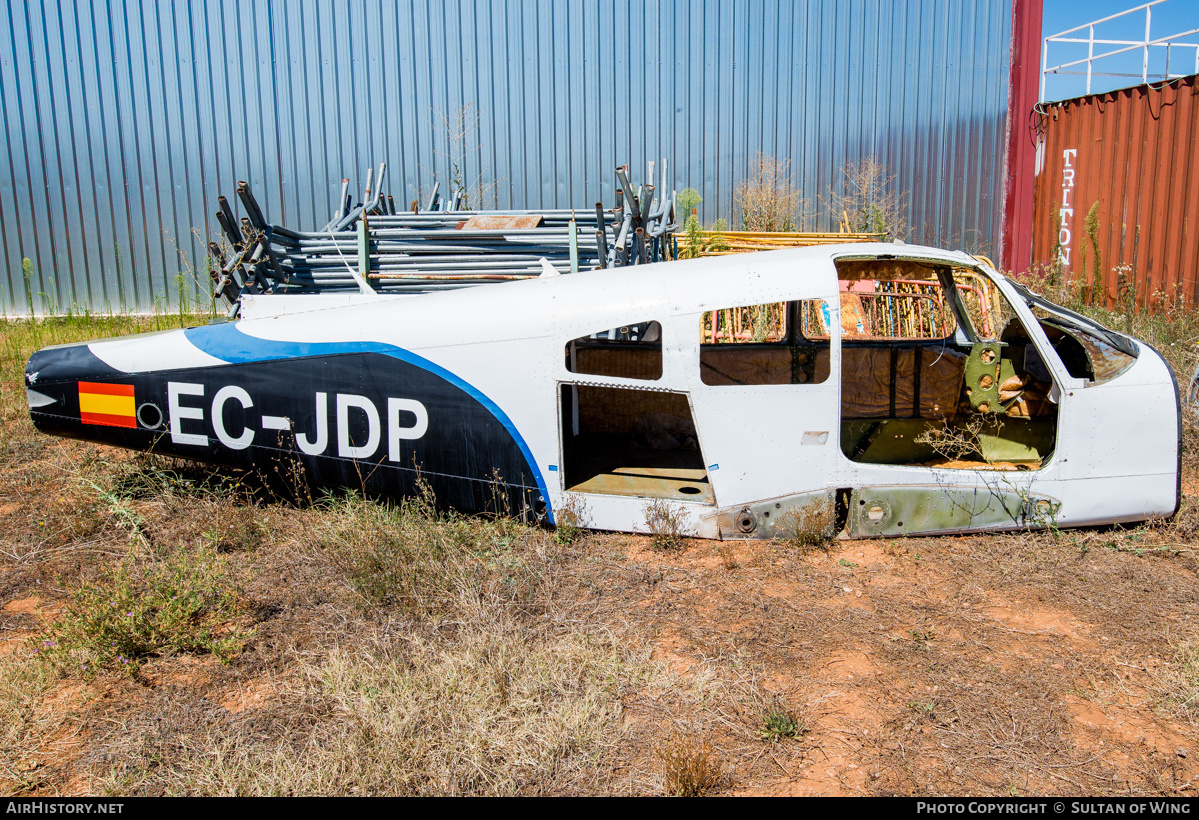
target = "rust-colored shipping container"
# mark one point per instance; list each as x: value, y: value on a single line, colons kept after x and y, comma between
x: 1117, y: 191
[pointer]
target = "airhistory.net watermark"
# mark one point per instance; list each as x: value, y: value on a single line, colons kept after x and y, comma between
x: 61, y: 807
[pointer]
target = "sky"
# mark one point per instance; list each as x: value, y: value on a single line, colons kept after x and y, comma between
x: 1170, y: 17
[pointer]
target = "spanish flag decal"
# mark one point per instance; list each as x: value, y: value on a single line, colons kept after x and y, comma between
x: 111, y: 405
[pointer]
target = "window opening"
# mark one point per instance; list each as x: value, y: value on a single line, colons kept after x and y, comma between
x: 937, y: 371
x: 1087, y: 349
x: 765, y: 344
x: 632, y: 351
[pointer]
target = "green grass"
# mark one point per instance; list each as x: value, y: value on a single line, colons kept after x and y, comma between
x: 187, y: 602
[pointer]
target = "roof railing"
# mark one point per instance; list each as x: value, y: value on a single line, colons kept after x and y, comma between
x: 1087, y: 65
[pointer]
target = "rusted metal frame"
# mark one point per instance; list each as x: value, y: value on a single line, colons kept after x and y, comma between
x: 255, y: 278
x: 233, y: 272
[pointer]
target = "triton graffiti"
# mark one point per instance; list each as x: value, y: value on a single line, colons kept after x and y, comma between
x: 906, y: 390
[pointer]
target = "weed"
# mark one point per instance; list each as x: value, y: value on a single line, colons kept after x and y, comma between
x: 961, y: 439
x: 184, y: 603
x: 1041, y: 513
x: 1094, y: 278
x: 690, y: 766
x: 847, y: 563
x: 810, y: 525
x: 727, y: 557
x: 571, y: 519
x: 768, y: 199
x: 1081, y: 546
x: 27, y: 275
x: 922, y: 639
x: 867, y: 201
x: 402, y: 555
x: 665, y: 523
x: 117, y: 506
x: 780, y: 723
x: 459, y: 131
x: 718, y: 242
x: 688, y: 201
x: 23, y: 680
x: 410, y: 557
x: 500, y: 504
x: 237, y: 529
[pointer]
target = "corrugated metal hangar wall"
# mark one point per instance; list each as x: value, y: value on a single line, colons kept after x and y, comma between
x: 123, y: 121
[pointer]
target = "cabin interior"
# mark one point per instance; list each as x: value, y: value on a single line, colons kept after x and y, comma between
x: 620, y: 441
x: 936, y: 371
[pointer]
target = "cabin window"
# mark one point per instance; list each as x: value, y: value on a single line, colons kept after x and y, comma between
x: 986, y: 308
x: 631, y: 351
x: 1086, y: 349
x: 938, y: 371
x: 894, y: 300
x: 776, y: 343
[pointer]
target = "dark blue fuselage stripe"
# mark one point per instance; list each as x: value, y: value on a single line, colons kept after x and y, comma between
x: 227, y: 343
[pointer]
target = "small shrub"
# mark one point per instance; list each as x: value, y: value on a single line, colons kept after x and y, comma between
x: 768, y: 199
x: 810, y: 525
x: 410, y: 557
x: 959, y: 440
x: 868, y: 202
x: 665, y: 523
x: 780, y: 723
x: 922, y: 639
x: 184, y: 603
x: 403, y: 556
x: 690, y: 766
x: 718, y: 242
x: 687, y: 201
x: 570, y: 520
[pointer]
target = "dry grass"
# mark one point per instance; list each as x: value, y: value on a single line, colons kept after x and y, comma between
x: 810, y: 525
x: 689, y: 766
x: 1181, y: 681
x: 391, y: 650
x: 665, y: 522
x: 492, y: 711
x: 24, y: 680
